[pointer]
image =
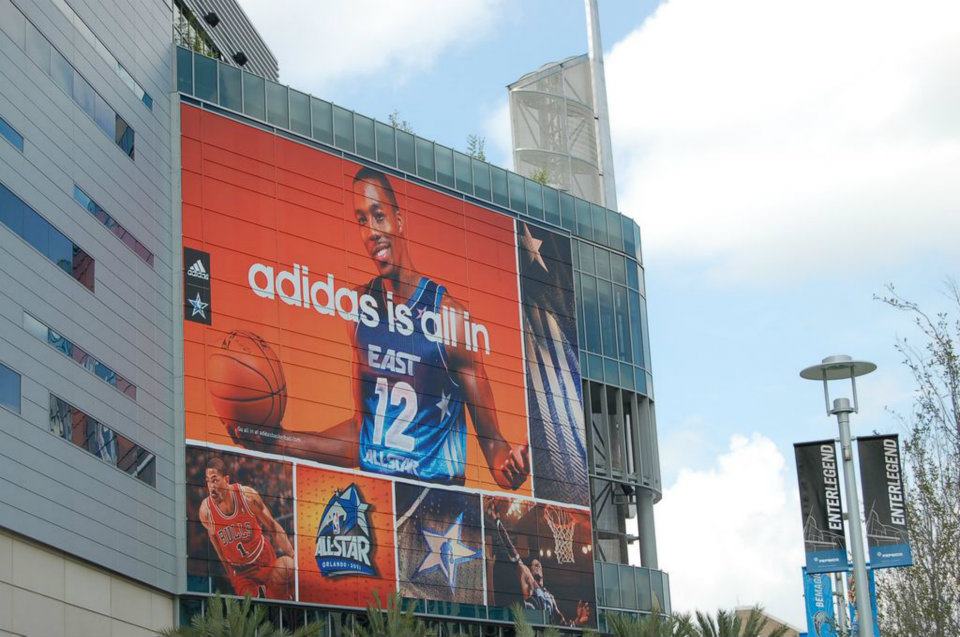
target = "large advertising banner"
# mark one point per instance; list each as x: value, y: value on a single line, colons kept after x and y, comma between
x: 821, y: 507
x: 852, y: 603
x: 402, y: 353
x: 884, y: 501
x: 819, y: 603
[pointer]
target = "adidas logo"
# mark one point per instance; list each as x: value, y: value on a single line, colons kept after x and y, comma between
x: 197, y: 271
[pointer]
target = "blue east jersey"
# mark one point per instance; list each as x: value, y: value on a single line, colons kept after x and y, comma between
x: 413, y: 421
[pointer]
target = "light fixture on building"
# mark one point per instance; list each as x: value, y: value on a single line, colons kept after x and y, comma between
x: 212, y: 18
x: 240, y: 58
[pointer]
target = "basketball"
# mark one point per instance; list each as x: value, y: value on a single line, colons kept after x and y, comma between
x: 246, y: 381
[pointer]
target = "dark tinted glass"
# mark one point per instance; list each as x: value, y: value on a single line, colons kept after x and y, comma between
x: 9, y: 388
x: 618, y: 269
x: 591, y: 312
x: 300, y: 112
x: 464, y: 172
x: 608, y: 329
x: 205, y: 78
x: 614, y: 230
x: 551, y: 205
x: 36, y: 231
x: 278, y: 110
x: 366, y: 140
x: 343, y: 128
x: 568, y: 214
x: 598, y: 220
x: 426, y: 166
x: 125, y: 136
x: 254, y: 97
x: 61, y: 250
x: 626, y: 229
x: 11, y: 134
x: 498, y: 180
x: 184, y: 70
x: 481, y: 179
x: 517, y: 199
x: 406, y: 152
x: 231, y: 95
x: 622, y: 321
x: 386, y: 144
x: 603, y: 263
x: 322, y: 113
x: 534, y: 199
x: 583, y: 219
x: 444, y: 165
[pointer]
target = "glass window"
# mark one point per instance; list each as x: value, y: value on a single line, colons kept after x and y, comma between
x: 587, y: 258
x: 627, y: 231
x: 300, y: 112
x: 444, y: 165
x: 62, y: 72
x: 598, y: 220
x: 618, y: 268
x: 12, y: 22
x: 11, y: 134
x: 534, y: 199
x: 322, y: 113
x: 614, y: 230
x: 603, y: 263
x: 231, y: 94
x: 628, y: 587
x: 205, y: 78
x: 581, y: 337
x: 517, y: 199
x: 343, y: 129
x: 568, y: 215
x: 9, y: 388
x: 633, y: 279
x: 635, y: 329
x: 124, y: 136
x: 551, y: 205
x: 112, y: 225
x: 60, y: 250
x: 104, y: 116
x: 611, y: 584
x: 622, y: 321
x: 498, y: 181
x: 95, y: 438
x: 481, y: 179
x: 254, y: 99
x: 386, y: 144
x: 606, y: 318
x: 636, y: 242
x: 366, y: 141
x: 426, y: 166
x: 626, y: 380
x: 463, y: 172
x: 644, y: 600
x: 184, y: 70
x: 406, y: 152
x: 611, y: 373
x: 83, y: 94
x: 11, y: 211
x: 36, y: 231
x: 584, y: 229
x: 278, y: 109
x: 38, y: 48
x: 591, y: 313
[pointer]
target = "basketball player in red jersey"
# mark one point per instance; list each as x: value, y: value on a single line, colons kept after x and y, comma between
x: 246, y: 537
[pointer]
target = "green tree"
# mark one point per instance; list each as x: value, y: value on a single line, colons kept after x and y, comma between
x: 229, y: 617
x: 476, y: 147
x: 653, y: 625
x: 728, y: 624
x: 541, y: 176
x: 399, y: 123
x: 397, y: 620
x: 924, y: 599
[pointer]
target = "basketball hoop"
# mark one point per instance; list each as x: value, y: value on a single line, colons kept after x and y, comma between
x: 562, y: 526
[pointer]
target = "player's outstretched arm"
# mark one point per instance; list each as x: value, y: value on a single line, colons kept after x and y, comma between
x: 267, y: 522
x: 509, y: 464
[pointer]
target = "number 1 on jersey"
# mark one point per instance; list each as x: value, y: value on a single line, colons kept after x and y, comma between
x: 395, y: 436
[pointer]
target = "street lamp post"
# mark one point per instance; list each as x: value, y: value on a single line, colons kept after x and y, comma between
x: 843, y: 367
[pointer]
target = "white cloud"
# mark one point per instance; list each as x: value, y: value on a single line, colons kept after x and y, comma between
x: 768, y: 138
x: 353, y: 40
x: 496, y: 129
x: 730, y: 535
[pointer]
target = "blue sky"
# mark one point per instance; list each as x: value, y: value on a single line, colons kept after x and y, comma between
x: 785, y: 160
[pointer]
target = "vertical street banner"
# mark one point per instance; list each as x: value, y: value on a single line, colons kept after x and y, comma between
x: 852, y: 602
x: 818, y: 598
x: 883, y: 501
x: 821, y: 507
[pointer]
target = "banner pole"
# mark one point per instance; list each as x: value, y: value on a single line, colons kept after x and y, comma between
x: 842, y: 409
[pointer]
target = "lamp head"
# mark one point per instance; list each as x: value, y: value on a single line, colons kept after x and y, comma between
x: 838, y: 367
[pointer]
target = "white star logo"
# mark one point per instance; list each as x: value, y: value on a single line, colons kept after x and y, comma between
x: 444, y: 404
x: 198, y: 306
x: 446, y: 551
x: 532, y: 246
x: 420, y: 313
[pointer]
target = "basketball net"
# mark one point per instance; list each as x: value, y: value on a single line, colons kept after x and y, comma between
x: 561, y: 525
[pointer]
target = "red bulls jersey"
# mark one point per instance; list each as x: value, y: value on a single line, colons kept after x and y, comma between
x: 239, y: 535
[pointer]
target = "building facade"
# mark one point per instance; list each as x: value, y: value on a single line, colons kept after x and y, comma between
x: 133, y: 151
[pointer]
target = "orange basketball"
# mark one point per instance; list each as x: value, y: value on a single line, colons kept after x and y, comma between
x: 246, y: 381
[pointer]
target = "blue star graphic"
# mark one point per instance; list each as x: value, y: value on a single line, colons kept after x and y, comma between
x: 198, y: 306
x: 446, y: 551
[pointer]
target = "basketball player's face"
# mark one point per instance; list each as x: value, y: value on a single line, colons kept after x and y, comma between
x: 536, y: 569
x: 381, y: 225
x: 217, y: 485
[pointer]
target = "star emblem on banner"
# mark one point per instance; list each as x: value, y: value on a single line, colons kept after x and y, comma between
x: 446, y: 551
x: 444, y: 404
x: 198, y: 306
x: 532, y: 246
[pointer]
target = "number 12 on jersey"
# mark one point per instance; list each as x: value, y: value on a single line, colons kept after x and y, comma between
x: 400, y: 395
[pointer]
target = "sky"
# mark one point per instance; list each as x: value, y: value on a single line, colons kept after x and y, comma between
x: 786, y: 161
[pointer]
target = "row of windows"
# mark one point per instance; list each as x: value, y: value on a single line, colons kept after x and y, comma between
x: 112, y: 225
x: 9, y: 388
x: 101, y: 49
x: 632, y: 587
x: 76, y: 353
x: 64, y: 75
x: 91, y: 435
x: 11, y: 134
x: 278, y: 105
x: 26, y: 222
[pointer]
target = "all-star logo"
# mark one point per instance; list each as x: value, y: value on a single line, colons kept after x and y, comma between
x: 344, y: 543
x: 197, y: 271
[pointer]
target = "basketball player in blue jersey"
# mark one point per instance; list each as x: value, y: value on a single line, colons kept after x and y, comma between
x: 410, y: 392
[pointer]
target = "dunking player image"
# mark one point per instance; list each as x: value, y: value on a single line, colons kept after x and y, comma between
x: 533, y: 589
x: 410, y: 391
x: 254, y: 549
